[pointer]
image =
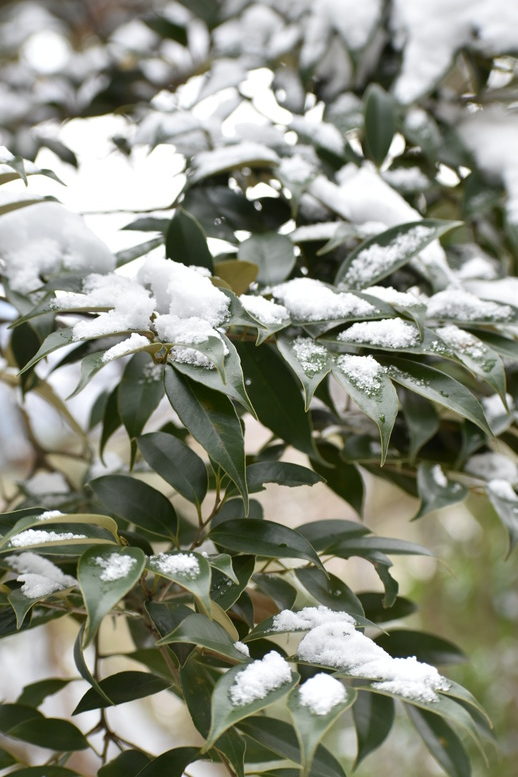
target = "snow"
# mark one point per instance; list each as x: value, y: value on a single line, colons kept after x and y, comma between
x: 321, y: 693
x: 208, y: 163
x: 340, y: 646
x: 502, y: 290
x: 462, y: 341
x: 43, y: 239
x: 185, y: 564
x: 242, y: 648
x: 49, y: 514
x: 259, y: 678
x: 324, y: 230
x: 321, y: 133
x: 114, y: 567
x: 362, y: 196
x: 387, y: 333
x: 376, y: 260
x: 477, y: 267
x: 296, y: 170
x: 432, y: 31
x: 492, y: 136
x: 492, y: 465
x: 502, y: 489
x: 457, y: 304
x: 364, y: 372
x: 308, y: 618
x: 439, y: 477
x: 184, y: 331
x: 264, y: 310
x: 40, y: 577
x: 406, y: 179
x: 307, y: 299
x: 131, y: 305
x: 388, y: 294
x: 183, y: 291
x: 130, y: 344
x: 494, y: 407
x: 39, y: 537
x: 312, y: 356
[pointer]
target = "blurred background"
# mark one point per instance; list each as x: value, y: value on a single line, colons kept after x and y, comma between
x: 74, y: 76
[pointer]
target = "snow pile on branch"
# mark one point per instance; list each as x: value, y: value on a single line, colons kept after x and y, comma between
x: 457, y: 304
x: 364, y: 372
x: 43, y: 239
x: 129, y: 345
x: 310, y: 300
x: 321, y: 693
x: 340, y: 646
x: 492, y: 465
x: 40, y: 577
x: 259, y: 678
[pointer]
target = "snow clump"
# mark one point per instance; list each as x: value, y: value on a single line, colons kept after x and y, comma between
x: 40, y: 577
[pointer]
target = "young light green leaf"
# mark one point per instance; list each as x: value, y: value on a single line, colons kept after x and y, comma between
x: 105, y: 575
x: 185, y: 241
x: 173, y: 460
x: 212, y: 421
x: 372, y: 390
x: 314, y: 706
x: 383, y: 254
x: 227, y: 705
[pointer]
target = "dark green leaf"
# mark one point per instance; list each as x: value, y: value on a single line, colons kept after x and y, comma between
x: 437, y: 386
x: 129, y: 254
x: 340, y: 476
x: 263, y: 538
x: 377, y: 399
x: 52, y: 733
x: 185, y: 241
x: 280, y: 737
x: 225, y: 714
x: 120, y: 688
x: 429, y: 648
x: 281, y: 472
x: 311, y: 727
x: 176, y: 463
x: 375, y: 610
x: 310, y: 364
x: 379, y: 123
x: 55, y: 340
x: 199, y: 630
x: 212, y: 421
x: 326, y: 533
x: 34, y: 694
x: 373, y: 718
x: 435, y: 490
x: 105, y: 575
x: 46, y: 771
x: 139, y: 393
x: 226, y: 595
x: 402, y: 243
x: 127, y: 764
x: 332, y: 592
x: 272, y: 253
x: 282, y: 593
x: 136, y: 502
x: 421, y: 419
x: 278, y: 403
x: 6, y: 759
x: 171, y: 763
x: 441, y: 741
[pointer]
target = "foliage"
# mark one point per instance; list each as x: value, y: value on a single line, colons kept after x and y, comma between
x: 355, y: 311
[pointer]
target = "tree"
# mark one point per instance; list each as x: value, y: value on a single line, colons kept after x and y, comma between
x: 360, y: 310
